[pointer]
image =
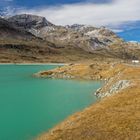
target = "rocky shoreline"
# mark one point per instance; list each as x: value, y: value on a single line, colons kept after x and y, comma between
x: 114, y: 117
x: 94, y: 71
x: 116, y: 88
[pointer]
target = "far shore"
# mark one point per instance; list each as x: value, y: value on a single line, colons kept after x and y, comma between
x: 34, y: 64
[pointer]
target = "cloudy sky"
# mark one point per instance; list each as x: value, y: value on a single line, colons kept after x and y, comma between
x: 116, y: 14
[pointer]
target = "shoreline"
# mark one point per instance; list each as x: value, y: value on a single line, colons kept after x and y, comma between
x: 119, y: 91
x: 58, y: 64
x: 120, y: 82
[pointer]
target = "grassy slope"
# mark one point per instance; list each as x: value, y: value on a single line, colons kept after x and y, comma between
x: 35, y: 50
x: 113, y: 118
x: 67, y: 46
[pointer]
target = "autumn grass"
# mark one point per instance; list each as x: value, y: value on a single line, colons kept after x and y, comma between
x: 113, y: 118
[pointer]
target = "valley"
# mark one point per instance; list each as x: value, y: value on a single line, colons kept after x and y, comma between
x: 90, y: 54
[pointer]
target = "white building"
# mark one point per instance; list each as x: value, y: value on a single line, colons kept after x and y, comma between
x: 135, y: 61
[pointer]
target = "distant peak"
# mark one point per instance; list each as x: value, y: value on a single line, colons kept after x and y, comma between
x: 29, y: 21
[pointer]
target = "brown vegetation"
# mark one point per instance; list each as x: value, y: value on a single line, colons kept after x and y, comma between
x: 113, y: 118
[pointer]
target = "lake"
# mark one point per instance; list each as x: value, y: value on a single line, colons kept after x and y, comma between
x: 30, y: 106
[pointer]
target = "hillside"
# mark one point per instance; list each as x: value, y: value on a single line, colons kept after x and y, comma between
x: 115, y: 117
x: 26, y: 21
x: 30, y: 38
x: 17, y: 45
x: 94, y: 42
x: 9, y: 30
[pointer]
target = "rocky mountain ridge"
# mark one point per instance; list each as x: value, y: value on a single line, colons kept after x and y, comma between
x: 27, y: 21
x: 9, y: 30
x: 64, y: 43
x: 94, y: 38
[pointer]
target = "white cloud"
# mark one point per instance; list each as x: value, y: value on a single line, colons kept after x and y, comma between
x: 117, y: 30
x: 113, y: 13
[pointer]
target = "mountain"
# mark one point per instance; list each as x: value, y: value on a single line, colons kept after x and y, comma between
x: 31, y: 38
x: 9, y: 30
x: 18, y: 45
x: 100, y: 42
x: 27, y: 21
x: 86, y: 37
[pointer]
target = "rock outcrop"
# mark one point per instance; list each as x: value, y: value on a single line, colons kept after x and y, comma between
x: 27, y: 21
x: 115, y: 88
x: 9, y: 30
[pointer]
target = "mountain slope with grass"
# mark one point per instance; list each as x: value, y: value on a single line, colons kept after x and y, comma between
x: 115, y: 116
x: 31, y: 38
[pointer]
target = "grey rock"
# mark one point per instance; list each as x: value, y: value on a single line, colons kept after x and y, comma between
x: 27, y: 21
x: 117, y: 87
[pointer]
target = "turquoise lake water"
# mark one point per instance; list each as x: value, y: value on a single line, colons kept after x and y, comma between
x: 30, y: 106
